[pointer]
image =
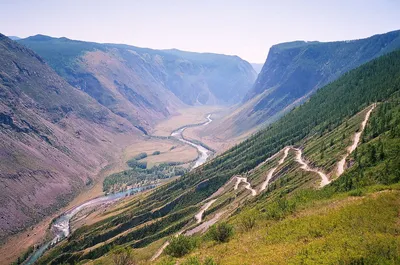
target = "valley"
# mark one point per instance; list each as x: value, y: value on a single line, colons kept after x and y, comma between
x: 60, y: 225
x: 293, y: 163
x: 115, y: 154
x: 69, y: 121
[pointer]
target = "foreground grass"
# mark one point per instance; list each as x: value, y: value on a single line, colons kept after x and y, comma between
x: 339, y: 230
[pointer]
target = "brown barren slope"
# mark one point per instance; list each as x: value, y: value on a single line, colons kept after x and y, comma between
x: 53, y: 139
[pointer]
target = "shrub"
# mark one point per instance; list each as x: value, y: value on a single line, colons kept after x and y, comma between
x: 221, y: 232
x: 180, y: 246
x: 156, y: 153
x: 247, y: 222
x: 356, y: 193
x: 140, y: 156
x: 122, y: 256
x: 133, y: 163
x: 280, y: 209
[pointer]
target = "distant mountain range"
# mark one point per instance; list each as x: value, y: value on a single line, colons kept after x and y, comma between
x: 145, y: 85
x: 14, y: 37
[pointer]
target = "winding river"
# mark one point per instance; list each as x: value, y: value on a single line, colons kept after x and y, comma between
x: 61, y: 226
x: 204, y: 153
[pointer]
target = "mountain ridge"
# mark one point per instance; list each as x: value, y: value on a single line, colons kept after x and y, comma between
x: 293, y: 71
x: 115, y: 74
x: 54, y: 138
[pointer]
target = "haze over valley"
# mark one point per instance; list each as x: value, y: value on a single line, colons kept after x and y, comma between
x: 132, y: 141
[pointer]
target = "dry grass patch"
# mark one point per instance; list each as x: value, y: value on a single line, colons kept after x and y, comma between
x: 184, y: 117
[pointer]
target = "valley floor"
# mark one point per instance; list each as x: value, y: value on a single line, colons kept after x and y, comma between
x: 171, y: 151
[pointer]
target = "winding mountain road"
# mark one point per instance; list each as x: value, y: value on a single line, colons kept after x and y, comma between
x: 272, y: 171
x: 199, y: 215
x: 356, y: 140
x: 324, y: 178
x: 202, y: 227
x: 247, y: 185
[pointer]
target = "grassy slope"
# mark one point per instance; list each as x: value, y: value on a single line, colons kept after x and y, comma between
x: 339, y: 229
x: 339, y: 224
x: 326, y: 110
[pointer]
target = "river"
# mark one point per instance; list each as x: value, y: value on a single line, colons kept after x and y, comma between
x: 204, y: 153
x: 61, y: 226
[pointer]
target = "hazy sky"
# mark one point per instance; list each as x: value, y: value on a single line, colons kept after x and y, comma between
x: 246, y: 28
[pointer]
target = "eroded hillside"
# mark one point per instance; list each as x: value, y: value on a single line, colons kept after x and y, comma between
x: 145, y: 85
x: 54, y: 138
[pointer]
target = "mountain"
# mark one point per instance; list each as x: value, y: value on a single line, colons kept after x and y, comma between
x: 293, y: 71
x: 54, y: 138
x: 227, y: 78
x: 257, y: 67
x: 14, y: 37
x: 292, y: 219
x: 145, y: 85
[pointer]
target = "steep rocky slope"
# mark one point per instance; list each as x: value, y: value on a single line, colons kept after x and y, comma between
x: 145, y: 85
x: 293, y: 71
x: 53, y: 138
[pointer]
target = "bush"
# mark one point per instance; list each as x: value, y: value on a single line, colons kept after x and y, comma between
x: 122, y: 256
x: 356, y: 193
x: 279, y: 209
x: 180, y: 246
x: 140, y: 156
x: 133, y: 163
x: 247, y: 222
x: 156, y: 153
x: 221, y: 232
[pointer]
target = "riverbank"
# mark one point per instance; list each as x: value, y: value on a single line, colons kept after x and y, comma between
x: 60, y: 226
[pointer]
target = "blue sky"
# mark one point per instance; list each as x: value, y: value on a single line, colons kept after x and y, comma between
x: 246, y: 28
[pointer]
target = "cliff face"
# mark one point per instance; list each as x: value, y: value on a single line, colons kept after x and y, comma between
x: 295, y: 70
x: 53, y: 138
x: 145, y: 85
